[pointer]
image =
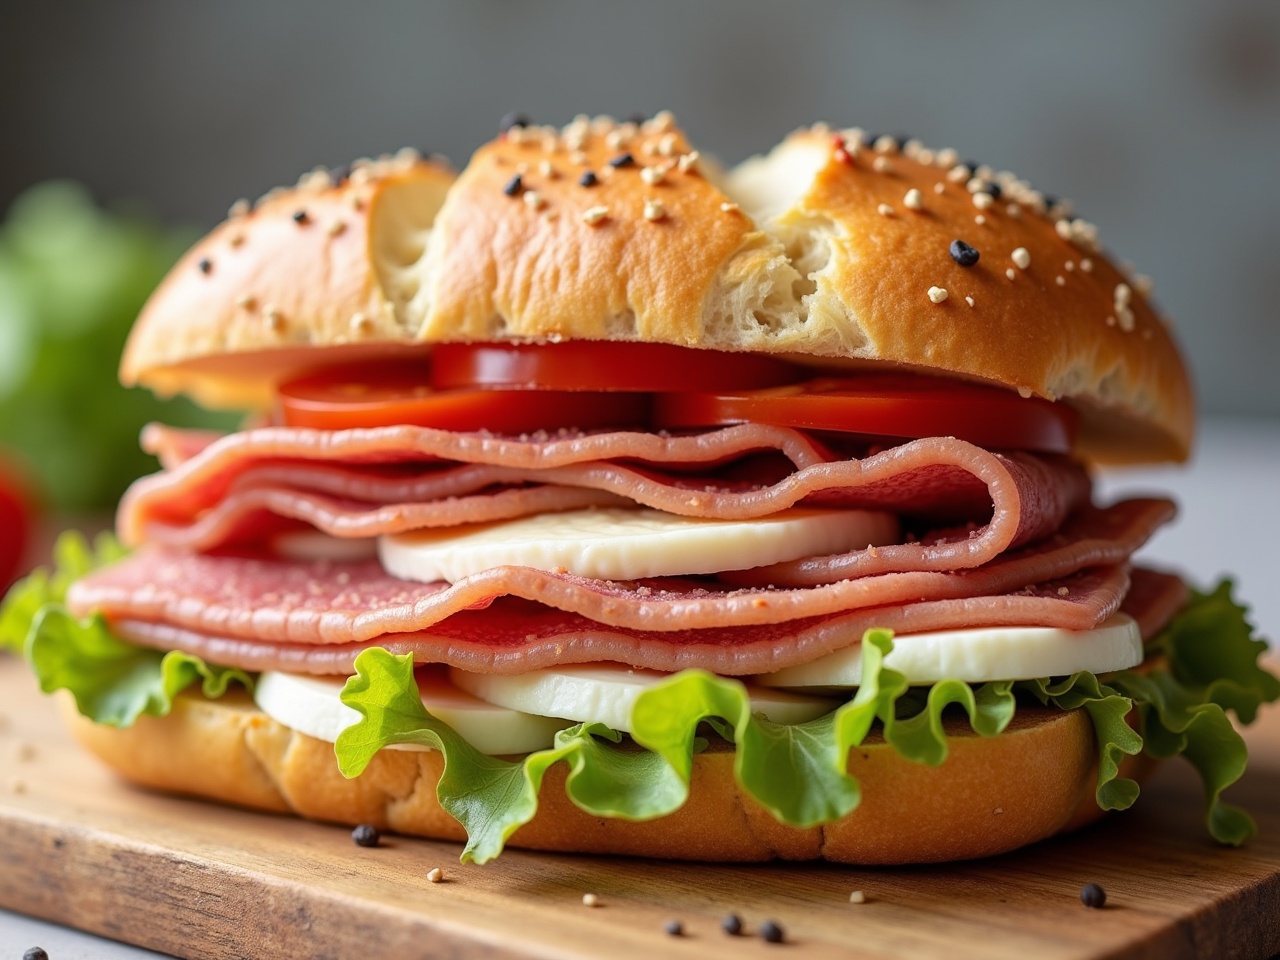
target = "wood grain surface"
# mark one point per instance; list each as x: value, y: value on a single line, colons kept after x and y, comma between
x: 79, y: 847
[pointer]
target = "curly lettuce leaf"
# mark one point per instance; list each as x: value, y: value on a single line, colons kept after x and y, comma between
x: 491, y: 797
x: 113, y: 682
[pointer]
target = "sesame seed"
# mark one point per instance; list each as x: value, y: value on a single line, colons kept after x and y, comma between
x: 939, y: 188
x: 937, y: 294
x: 1143, y: 284
x: 982, y: 200
x: 593, y: 215
x: 729, y: 207
x: 980, y: 220
x: 1013, y: 210
x: 337, y: 228
x: 653, y: 175
x: 588, y: 179
x: 654, y: 210
x: 958, y: 174
x: 1123, y: 294
x: 969, y: 301
x: 857, y: 897
x: 616, y: 139
x: 881, y: 164
x: 884, y: 210
x: 1021, y: 258
x: 435, y: 875
x: 546, y: 169
x: 1086, y: 265
x: 590, y: 900
x: 946, y: 158
x: 1010, y: 273
x: 913, y: 200
x: 667, y: 145
x: 1024, y: 393
x: 1063, y: 591
x: 512, y: 121
x: 1093, y: 896
x: 998, y: 811
x: 1060, y: 280
x: 366, y: 835
x: 240, y: 208
x: 205, y: 265
x: 925, y: 156
x: 622, y: 160
x: 1064, y: 228
x: 513, y: 186
x: 578, y: 157
x: 1125, y: 316
x: 688, y: 162
x: 1111, y: 321
x: 301, y: 218
x: 1069, y: 266
x: 885, y: 144
x: 534, y: 200
x: 340, y: 174
x: 963, y: 254
x: 913, y: 147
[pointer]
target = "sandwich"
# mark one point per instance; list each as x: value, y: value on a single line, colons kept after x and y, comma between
x: 595, y: 499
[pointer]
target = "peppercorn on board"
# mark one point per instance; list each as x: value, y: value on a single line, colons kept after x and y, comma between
x: 79, y: 847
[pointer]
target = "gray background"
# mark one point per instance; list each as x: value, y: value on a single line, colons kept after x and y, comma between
x: 1160, y: 119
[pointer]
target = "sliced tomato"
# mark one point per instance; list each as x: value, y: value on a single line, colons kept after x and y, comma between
x: 885, y: 405
x: 603, y: 365
x: 15, y: 525
x: 387, y: 395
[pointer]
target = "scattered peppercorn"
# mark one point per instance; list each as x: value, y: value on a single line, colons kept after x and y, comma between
x: 732, y: 924
x: 622, y: 160
x: 588, y: 179
x: 300, y: 217
x: 512, y: 120
x: 514, y: 186
x: 770, y: 932
x: 674, y: 928
x: 366, y: 835
x: 964, y: 254
x: 35, y: 953
x: 1093, y: 896
x: 205, y: 265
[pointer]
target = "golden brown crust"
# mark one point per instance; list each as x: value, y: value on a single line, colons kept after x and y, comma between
x: 990, y: 796
x: 814, y: 251
x: 319, y: 264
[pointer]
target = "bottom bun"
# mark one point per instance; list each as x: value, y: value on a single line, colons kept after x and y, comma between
x: 990, y: 796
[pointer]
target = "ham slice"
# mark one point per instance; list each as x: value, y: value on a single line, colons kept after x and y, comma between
x: 319, y: 602
x: 514, y: 636
x: 363, y: 483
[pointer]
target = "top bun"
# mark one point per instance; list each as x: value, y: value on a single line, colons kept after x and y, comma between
x: 832, y: 250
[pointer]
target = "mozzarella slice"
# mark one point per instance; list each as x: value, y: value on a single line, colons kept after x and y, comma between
x: 605, y: 693
x: 621, y: 544
x: 980, y: 654
x: 311, y: 705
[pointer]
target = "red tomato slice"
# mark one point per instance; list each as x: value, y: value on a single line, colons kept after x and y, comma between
x: 885, y: 406
x: 15, y: 526
x: 389, y: 395
x: 603, y: 365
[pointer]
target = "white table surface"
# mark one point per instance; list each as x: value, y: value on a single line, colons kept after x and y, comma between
x: 1229, y: 522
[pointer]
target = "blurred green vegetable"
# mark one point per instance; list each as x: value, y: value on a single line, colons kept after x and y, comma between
x: 72, y: 279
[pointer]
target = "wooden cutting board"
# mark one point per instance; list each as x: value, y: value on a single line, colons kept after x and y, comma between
x: 79, y: 847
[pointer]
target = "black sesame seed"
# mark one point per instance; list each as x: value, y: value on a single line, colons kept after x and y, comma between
x: 588, y: 179
x: 1092, y: 895
x: 300, y: 217
x: 732, y: 924
x: 972, y: 166
x: 622, y: 160
x: 637, y: 118
x: 35, y: 953
x: 340, y: 175
x: 366, y: 835
x: 514, y: 186
x: 674, y: 928
x: 205, y: 265
x: 963, y: 254
x: 770, y: 932
x: 993, y: 188
x: 1050, y: 201
x: 870, y: 138
x: 512, y: 120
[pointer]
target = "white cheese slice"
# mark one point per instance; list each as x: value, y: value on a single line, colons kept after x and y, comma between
x: 621, y: 544
x: 605, y: 693
x: 979, y: 654
x: 311, y: 705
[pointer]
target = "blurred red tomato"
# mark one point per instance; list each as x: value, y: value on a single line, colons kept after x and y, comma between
x: 15, y: 524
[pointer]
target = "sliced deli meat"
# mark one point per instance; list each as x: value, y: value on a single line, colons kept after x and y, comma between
x: 365, y: 483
